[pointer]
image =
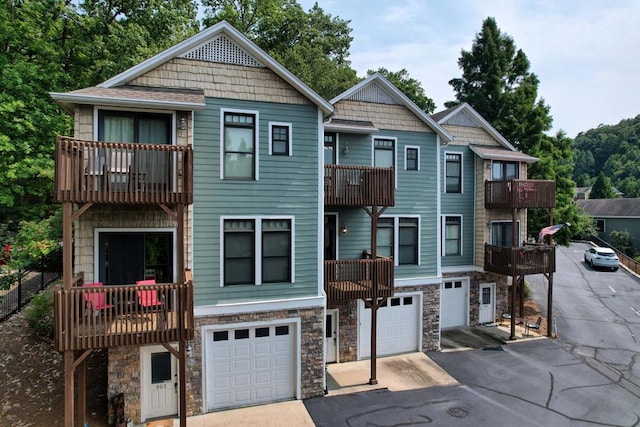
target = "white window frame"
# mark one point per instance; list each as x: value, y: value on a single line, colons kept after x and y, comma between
x: 461, y: 171
x: 281, y: 124
x: 406, y: 150
x: 444, y: 234
x: 256, y: 142
x: 257, y: 249
x: 396, y: 237
x: 395, y: 154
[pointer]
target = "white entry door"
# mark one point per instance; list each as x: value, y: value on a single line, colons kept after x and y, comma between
x: 331, y: 336
x: 159, y: 383
x: 487, y: 303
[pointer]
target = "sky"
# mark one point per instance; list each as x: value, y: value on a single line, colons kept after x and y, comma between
x: 585, y: 53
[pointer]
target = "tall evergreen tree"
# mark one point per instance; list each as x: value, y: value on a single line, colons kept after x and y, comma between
x: 497, y: 83
x: 602, y: 188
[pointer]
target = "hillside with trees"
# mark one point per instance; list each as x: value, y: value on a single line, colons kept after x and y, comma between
x: 613, y: 150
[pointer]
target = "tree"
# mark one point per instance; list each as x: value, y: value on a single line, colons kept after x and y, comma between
x: 622, y: 241
x: 497, y: 83
x: 409, y: 86
x: 602, y: 188
x: 312, y: 45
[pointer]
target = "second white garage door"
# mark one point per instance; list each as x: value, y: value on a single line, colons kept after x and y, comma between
x: 250, y: 365
x: 399, y: 326
x: 453, y: 304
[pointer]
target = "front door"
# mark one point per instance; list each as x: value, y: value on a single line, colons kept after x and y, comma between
x: 487, y: 303
x: 331, y: 336
x: 330, y: 240
x: 159, y: 383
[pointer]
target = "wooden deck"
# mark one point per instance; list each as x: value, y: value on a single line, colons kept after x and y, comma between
x: 123, y: 321
x: 358, y: 279
x: 346, y: 185
x: 528, y: 259
x: 104, y: 172
x: 520, y: 194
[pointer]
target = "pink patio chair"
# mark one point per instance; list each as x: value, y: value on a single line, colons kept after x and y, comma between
x: 149, y: 299
x: 95, y: 301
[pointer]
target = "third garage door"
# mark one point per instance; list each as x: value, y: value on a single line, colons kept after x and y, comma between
x: 453, y: 304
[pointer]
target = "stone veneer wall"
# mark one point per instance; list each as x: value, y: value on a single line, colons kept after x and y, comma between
x: 124, y: 377
x: 312, y: 345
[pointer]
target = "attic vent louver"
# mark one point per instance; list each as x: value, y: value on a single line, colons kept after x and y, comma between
x: 222, y: 49
x: 374, y: 93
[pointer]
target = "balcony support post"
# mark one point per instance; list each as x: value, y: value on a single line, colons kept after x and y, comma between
x: 514, y: 270
x: 550, y: 291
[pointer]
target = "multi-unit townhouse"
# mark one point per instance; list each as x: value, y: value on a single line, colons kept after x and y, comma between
x: 228, y: 232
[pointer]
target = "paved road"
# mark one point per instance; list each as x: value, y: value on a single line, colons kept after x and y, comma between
x: 588, y: 376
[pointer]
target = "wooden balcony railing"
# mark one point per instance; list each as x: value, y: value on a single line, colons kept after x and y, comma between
x: 528, y: 259
x: 358, y: 278
x: 81, y: 325
x: 104, y: 172
x: 519, y: 194
x: 358, y: 186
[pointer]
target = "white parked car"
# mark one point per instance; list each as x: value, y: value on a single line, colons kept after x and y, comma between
x: 601, y: 257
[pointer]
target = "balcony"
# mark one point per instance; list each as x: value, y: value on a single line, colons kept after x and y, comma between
x: 358, y: 186
x: 103, y: 172
x: 80, y: 325
x: 516, y: 194
x: 528, y: 259
x: 358, y: 279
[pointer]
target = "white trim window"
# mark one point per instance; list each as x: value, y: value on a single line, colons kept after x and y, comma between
x: 453, y: 172
x: 239, y: 147
x: 452, y: 237
x: 399, y: 237
x: 384, y: 152
x: 280, y: 139
x: 256, y: 251
x: 411, y: 158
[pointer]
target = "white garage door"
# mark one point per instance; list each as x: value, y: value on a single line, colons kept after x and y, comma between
x: 250, y: 365
x: 399, y: 326
x: 453, y: 304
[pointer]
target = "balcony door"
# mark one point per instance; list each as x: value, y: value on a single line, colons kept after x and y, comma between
x: 125, y: 258
x: 152, y: 166
x: 330, y: 237
x: 502, y: 233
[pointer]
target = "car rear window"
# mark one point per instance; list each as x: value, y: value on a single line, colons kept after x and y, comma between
x: 607, y: 254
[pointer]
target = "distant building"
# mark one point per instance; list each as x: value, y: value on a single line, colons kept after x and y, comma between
x: 582, y: 193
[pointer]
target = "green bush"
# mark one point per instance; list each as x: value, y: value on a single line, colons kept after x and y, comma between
x: 40, y: 315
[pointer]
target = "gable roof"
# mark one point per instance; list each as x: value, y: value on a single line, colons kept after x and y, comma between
x: 611, y: 208
x: 253, y: 55
x: 443, y: 116
x: 396, y: 95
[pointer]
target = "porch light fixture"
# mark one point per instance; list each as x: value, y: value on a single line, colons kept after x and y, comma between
x: 345, y: 150
x: 182, y: 124
x: 344, y: 229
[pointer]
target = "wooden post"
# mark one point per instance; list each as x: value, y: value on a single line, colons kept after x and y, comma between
x: 550, y: 291
x: 67, y: 280
x: 68, y: 388
x: 374, y: 300
x: 514, y: 271
x: 82, y: 393
x: 182, y: 360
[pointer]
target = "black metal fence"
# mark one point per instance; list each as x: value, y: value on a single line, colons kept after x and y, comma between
x: 18, y: 288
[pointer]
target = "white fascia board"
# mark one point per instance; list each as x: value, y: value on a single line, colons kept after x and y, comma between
x: 236, y: 36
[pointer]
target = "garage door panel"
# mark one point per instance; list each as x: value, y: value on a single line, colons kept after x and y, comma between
x: 398, y: 329
x: 250, y: 365
x: 453, y: 305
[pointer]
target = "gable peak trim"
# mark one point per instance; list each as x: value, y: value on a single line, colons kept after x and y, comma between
x: 222, y: 49
x: 375, y: 93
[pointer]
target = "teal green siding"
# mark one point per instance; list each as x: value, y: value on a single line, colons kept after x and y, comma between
x: 287, y: 186
x: 461, y: 204
x: 632, y: 225
x: 416, y: 194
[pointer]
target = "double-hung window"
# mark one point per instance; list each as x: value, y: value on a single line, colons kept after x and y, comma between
x: 453, y: 235
x: 398, y: 237
x: 412, y: 158
x: 280, y: 139
x: 239, y: 146
x: 453, y: 168
x: 257, y: 251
